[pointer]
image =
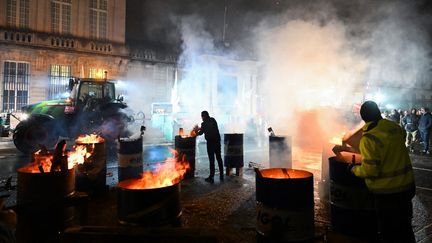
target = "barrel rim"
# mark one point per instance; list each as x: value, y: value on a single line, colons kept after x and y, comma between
x: 305, y: 172
x: 119, y: 186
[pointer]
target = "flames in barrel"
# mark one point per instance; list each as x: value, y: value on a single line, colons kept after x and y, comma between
x: 166, y: 174
x: 43, y: 160
x: 89, y: 139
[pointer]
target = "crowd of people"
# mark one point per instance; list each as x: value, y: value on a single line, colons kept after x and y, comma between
x: 417, y: 124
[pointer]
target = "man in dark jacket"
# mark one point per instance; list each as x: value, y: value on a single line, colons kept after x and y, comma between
x: 410, y: 123
x: 210, y: 128
x: 425, y: 128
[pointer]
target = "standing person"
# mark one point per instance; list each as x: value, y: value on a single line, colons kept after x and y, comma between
x: 210, y: 128
x: 394, y: 116
x: 387, y: 170
x: 410, y: 123
x: 425, y: 128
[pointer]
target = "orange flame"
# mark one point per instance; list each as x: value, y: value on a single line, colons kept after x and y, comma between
x: 44, y: 161
x: 78, y: 156
x: 336, y: 140
x: 92, y: 138
x: 166, y: 174
x: 281, y: 173
x: 192, y: 133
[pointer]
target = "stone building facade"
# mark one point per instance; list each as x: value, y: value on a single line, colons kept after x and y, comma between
x: 45, y: 42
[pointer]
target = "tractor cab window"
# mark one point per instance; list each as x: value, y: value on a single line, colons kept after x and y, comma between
x: 96, y: 91
x: 89, y: 90
x: 109, y: 91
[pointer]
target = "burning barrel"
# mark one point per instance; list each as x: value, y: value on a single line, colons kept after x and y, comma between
x: 280, y: 155
x: 233, y: 156
x: 285, y: 205
x: 130, y: 164
x: 142, y: 206
x: 41, y: 203
x: 351, y: 202
x: 154, y: 198
x: 185, y: 147
x: 91, y: 175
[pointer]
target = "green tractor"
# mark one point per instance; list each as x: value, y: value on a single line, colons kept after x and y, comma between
x: 91, y: 108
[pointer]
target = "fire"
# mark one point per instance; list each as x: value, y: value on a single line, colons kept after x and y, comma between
x: 193, y: 132
x: 336, y: 140
x: 78, y: 156
x: 88, y: 139
x: 166, y: 174
x: 42, y: 160
x: 282, y: 173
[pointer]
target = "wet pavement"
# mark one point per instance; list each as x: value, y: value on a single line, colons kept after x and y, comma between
x: 223, y: 211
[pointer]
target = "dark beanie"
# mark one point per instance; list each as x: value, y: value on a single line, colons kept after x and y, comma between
x: 369, y: 111
x: 205, y: 114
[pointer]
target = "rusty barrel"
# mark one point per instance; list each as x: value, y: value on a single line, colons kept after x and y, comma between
x: 285, y: 205
x: 42, y: 208
x: 148, y: 206
x: 91, y: 175
x: 130, y: 158
x: 185, y: 147
x: 233, y: 151
x: 280, y: 153
x: 351, y: 202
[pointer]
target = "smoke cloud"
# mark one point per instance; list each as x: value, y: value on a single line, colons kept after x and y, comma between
x: 316, y: 60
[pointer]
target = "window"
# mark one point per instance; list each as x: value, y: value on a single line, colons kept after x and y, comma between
x: 95, y: 91
x: 97, y: 73
x: 18, y: 13
x: 59, y: 81
x: 15, y: 85
x: 98, y: 19
x: 61, y: 16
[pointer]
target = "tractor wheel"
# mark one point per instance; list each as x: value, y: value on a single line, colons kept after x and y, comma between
x: 28, y: 135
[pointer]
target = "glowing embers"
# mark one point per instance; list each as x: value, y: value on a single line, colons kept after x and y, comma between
x: 166, y: 174
x: 89, y: 139
x: 282, y: 173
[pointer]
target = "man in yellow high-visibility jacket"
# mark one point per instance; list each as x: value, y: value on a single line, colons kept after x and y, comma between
x: 388, y: 174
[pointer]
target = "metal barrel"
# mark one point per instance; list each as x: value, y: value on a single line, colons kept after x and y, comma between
x: 148, y: 207
x: 91, y: 175
x: 130, y: 158
x: 280, y: 152
x: 186, y: 147
x: 41, y: 207
x: 285, y: 205
x: 233, y: 150
x: 351, y: 202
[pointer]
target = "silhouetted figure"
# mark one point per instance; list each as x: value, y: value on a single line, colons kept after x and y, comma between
x: 210, y: 130
x: 425, y: 128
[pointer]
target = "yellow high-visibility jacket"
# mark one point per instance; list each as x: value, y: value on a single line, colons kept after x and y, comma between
x: 386, y: 165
